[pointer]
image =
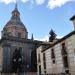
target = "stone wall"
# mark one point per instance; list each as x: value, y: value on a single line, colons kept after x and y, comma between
x: 58, y: 67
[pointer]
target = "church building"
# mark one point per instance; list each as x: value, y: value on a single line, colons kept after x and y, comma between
x: 17, y: 52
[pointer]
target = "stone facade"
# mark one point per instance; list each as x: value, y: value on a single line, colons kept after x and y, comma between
x: 61, y: 62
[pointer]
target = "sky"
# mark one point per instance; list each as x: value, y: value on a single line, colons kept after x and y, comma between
x: 40, y: 16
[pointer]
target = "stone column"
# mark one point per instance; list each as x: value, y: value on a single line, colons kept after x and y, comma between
x: 6, y: 58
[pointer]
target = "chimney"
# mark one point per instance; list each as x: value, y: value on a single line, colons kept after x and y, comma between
x: 73, y: 19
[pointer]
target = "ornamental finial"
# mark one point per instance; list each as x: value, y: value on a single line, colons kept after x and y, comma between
x: 16, y: 5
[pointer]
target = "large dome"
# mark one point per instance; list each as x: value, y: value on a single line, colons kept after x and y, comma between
x: 14, y: 26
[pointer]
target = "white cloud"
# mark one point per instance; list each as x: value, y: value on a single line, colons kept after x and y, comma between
x: 24, y: 1
x: 51, y: 3
x: 59, y: 37
x: 40, y: 2
x: 8, y: 1
x: 57, y: 3
x: 46, y: 38
x: 13, y: 1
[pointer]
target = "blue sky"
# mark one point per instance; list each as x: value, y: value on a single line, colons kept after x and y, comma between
x: 40, y: 16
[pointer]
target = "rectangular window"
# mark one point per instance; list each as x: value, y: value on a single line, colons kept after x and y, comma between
x: 63, y: 49
x: 39, y: 69
x: 44, y: 60
x: 53, y: 56
x: 65, y: 61
x: 64, y: 56
x: 44, y: 65
x: 38, y: 57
